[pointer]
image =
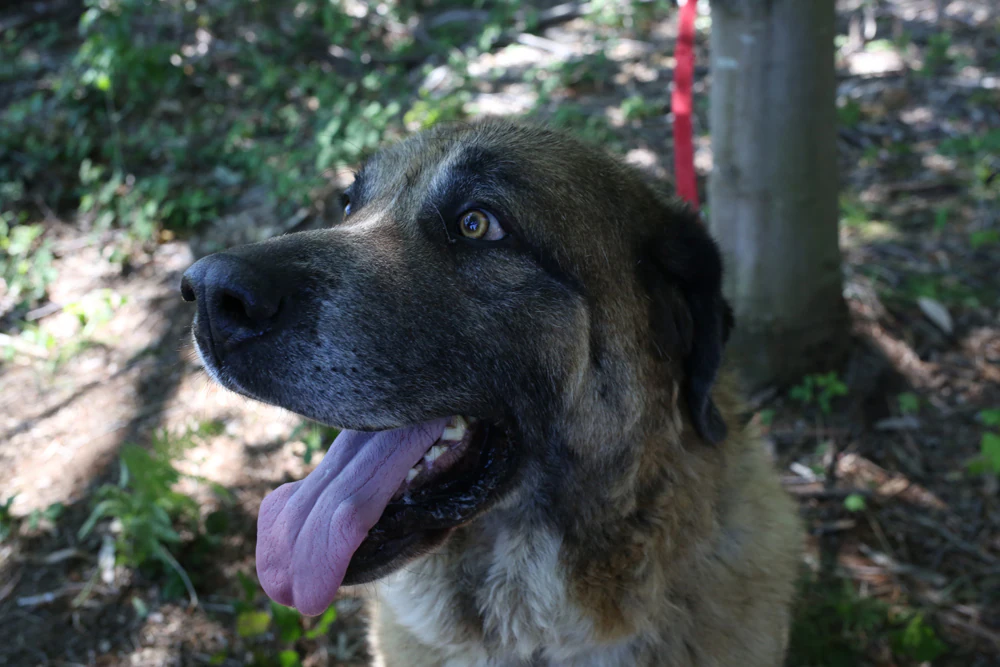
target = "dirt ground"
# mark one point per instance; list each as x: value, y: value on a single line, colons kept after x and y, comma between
x: 928, y: 536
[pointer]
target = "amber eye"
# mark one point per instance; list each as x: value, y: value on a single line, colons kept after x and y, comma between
x: 480, y: 225
x: 474, y: 224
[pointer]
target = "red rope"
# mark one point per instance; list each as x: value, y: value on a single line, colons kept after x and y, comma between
x: 680, y: 104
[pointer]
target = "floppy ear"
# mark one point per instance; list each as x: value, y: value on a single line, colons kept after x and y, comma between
x: 686, y: 259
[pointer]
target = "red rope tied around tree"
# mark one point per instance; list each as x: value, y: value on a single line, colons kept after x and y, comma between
x: 680, y: 104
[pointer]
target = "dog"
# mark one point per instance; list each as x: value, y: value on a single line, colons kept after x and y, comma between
x: 542, y: 460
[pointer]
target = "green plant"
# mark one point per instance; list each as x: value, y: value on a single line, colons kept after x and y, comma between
x: 937, y: 55
x: 636, y: 15
x: 855, y: 502
x: 7, y: 520
x: 909, y: 403
x: 917, y: 640
x: 984, y: 237
x: 637, y: 107
x: 941, y: 215
x: 144, y: 123
x: 849, y: 113
x: 835, y: 627
x: 426, y: 113
x: 95, y: 309
x: 819, y: 389
x: 588, y: 126
x: 50, y: 514
x: 971, y: 144
x: 25, y: 262
x: 314, y: 436
x: 853, y: 212
x: 286, y: 623
x: 989, y: 445
x: 147, y: 513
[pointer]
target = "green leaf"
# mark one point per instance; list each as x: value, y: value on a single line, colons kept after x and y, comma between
x: 909, y: 403
x: 289, y: 659
x: 249, y: 586
x: 990, y: 417
x: 288, y: 620
x: 940, y: 218
x: 53, y: 511
x: 990, y: 447
x: 984, y: 237
x: 100, y: 510
x: 252, y: 623
x: 855, y: 502
x: 977, y: 466
x: 919, y: 641
x: 323, y: 624
x: 802, y: 393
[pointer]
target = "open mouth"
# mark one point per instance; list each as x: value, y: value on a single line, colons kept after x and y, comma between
x: 376, y: 499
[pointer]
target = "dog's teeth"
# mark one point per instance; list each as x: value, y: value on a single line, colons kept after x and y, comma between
x: 412, y: 475
x: 456, y: 428
x: 434, y: 453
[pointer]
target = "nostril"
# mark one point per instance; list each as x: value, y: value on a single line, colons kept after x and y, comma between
x: 187, y: 291
x: 236, y: 300
x: 244, y: 309
x: 233, y: 310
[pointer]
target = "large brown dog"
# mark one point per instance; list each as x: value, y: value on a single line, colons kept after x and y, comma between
x: 526, y: 337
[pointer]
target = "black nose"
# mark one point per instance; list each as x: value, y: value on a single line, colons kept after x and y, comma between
x: 236, y: 301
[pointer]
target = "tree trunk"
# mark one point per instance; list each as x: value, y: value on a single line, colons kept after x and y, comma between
x: 773, y: 189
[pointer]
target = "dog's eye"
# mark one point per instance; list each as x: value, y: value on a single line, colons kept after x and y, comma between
x: 480, y: 225
x: 345, y: 202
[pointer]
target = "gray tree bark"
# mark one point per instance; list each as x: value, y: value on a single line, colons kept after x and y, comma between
x: 773, y: 190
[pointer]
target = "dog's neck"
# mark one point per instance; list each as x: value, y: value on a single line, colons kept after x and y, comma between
x: 557, y: 566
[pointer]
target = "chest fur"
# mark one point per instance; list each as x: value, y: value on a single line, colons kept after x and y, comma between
x: 504, y: 602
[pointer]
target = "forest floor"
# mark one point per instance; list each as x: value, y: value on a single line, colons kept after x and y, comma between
x: 895, y: 459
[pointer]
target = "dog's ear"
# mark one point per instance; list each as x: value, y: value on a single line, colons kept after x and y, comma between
x: 684, y: 259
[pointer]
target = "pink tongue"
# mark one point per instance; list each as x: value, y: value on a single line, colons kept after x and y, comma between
x: 307, y: 531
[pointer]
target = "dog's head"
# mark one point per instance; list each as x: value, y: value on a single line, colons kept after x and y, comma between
x: 488, y: 283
